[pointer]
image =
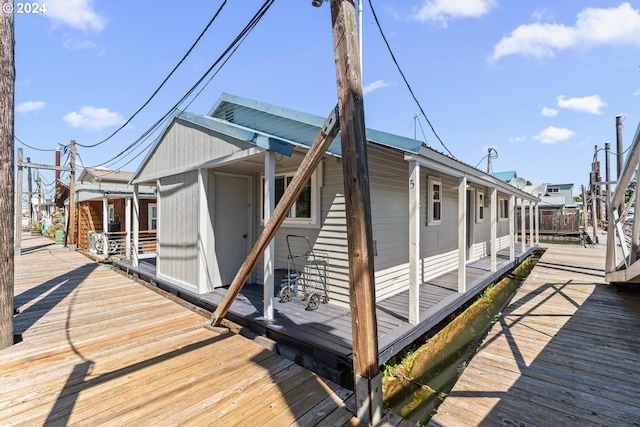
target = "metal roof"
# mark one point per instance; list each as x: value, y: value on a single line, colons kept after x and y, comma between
x: 292, y: 125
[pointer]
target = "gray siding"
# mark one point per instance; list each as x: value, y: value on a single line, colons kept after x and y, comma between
x: 185, y: 145
x: 178, y: 229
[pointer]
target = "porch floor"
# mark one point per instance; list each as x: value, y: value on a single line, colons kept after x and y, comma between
x: 325, y: 333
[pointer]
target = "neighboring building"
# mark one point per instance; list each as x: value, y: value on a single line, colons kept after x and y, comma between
x: 211, y: 170
x: 102, y: 197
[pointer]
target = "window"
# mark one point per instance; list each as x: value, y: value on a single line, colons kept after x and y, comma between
x: 112, y: 213
x: 503, y: 209
x: 434, y: 201
x: 480, y: 206
x: 153, y: 216
x: 304, y: 209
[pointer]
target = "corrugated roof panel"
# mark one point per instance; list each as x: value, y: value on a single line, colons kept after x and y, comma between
x: 294, y: 125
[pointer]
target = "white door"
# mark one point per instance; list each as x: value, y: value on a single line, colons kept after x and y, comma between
x: 231, y: 224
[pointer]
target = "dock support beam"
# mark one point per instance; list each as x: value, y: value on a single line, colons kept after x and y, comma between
x: 414, y: 242
x: 462, y: 235
x: 269, y: 252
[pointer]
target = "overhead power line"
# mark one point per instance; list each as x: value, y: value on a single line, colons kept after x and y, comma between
x: 31, y: 147
x: 231, y: 48
x: 163, y: 82
x: 375, y: 17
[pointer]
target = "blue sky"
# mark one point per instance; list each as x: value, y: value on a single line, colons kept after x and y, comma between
x: 540, y: 81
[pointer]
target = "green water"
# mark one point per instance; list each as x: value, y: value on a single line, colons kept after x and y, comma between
x: 435, y: 371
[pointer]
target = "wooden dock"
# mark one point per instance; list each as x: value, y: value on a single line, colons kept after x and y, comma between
x: 100, y: 349
x: 565, y: 352
x: 324, y: 335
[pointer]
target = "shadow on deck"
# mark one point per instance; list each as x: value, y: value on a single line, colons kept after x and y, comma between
x: 325, y: 334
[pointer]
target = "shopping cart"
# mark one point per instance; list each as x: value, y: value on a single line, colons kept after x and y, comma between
x: 306, y: 273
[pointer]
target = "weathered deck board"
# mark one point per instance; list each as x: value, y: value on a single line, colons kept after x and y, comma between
x: 564, y: 352
x: 99, y: 348
x: 329, y: 327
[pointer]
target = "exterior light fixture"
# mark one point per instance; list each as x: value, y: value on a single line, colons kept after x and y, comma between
x: 316, y: 3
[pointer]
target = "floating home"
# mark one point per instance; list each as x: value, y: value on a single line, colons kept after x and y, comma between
x: 442, y: 229
x: 104, y: 217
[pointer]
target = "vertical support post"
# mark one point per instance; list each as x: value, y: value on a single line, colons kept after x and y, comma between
x: 368, y: 379
x: 536, y: 223
x: 619, y: 147
x: 71, y: 229
x: 414, y: 242
x: 531, y: 224
x: 269, y: 252
x: 635, y: 229
x: 30, y: 190
x: 136, y: 224
x: 594, y: 216
x: 17, y: 248
x: 105, y: 224
x: 462, y: 234
x: 494, y: 228
x: 203, y: 231
x: 512, y: 228
x: 523, y: 214
x: 607, y: 158
x: 127, y: 227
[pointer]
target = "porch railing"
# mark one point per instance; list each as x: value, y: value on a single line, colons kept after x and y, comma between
x: 114, y: 244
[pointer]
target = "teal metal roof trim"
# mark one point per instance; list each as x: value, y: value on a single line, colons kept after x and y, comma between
x: 506, y: 176
x: 294, y: 125
x: 259, y: 139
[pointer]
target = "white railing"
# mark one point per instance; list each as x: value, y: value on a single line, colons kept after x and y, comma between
x: 623, y: 232
x: 114, y: 244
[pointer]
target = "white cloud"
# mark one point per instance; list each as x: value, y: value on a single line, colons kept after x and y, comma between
x: 549, y: 112
x: 374, y: 86
x: 593, y: 27
x: 522, y: 138
x: 73, y: 44
x: 29, y: 106
x: 78, y: 14
x: 589, y: 104
x: 93, y: 118
x: 442, y: 10
x: 551, y: 135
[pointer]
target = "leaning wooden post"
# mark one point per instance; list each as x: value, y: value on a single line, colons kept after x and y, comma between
x: 368, y: 379
x: 309, y: 163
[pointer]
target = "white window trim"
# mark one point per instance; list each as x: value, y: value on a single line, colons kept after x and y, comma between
x: 150, y: 217
x: 431, y: 181
x: 314, y: 222
x: 503, y: 214
x: 480, y: 199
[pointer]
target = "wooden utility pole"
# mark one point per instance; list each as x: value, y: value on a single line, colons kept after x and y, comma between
x: 71, y: 225
x: 30, y: 187
x: 619, y: 155
x: 368, y: 380
x: 8, y: 206
x: 607, y: 177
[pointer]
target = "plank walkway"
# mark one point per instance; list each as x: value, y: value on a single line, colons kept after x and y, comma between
x: 100, y: 349
x: 326, y: 332
x: 565, y: 353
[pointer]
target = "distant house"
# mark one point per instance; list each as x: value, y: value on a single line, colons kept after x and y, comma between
x: 430, y: 212
x: 102, y: 197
